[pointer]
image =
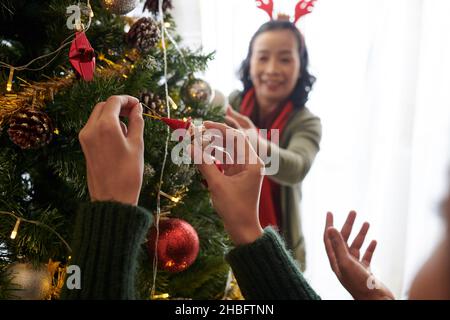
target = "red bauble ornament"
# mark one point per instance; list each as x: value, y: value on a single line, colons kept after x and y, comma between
x: 178, y: 245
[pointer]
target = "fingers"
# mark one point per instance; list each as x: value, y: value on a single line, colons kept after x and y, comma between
x: 210, y: 172
x: 124, y: 128
x: 206, y: 165
x: 235, y: 150
x: 135, y: 123
x: 122, y: 105
x: 329, y: 220
x: 359, y: 240
x: 328, y: 246
x: 219, y: 154
x: 119, y: 106
x: 243, y: 151
x: 204, y: 160
x: 348, y: 225
x: 339, y: 246
x: 240, y: 119
x: 231, y: 112
x: 219, y: 126
x: 234, y: 114
x: 367, y: 258
x: 231, y: 122
x: 114, y: 106
x: 210, y: 145
x: 95, y: 114
x: 228, y: 135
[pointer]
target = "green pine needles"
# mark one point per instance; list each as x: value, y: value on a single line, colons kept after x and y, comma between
x: 47, y: 184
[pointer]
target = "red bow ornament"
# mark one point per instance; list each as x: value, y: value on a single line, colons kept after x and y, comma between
x: 175, y: 124
x: 82, y: 56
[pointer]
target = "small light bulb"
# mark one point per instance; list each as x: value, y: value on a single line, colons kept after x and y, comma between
x: 10, y: 79
x: 171, y: 198
x: 16, y: 228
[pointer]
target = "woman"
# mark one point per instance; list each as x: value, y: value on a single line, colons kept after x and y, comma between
x: 276, y: 88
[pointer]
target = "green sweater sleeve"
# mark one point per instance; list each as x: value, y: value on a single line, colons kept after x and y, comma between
x: 265, y: 270
x: 304, y: 132
x: 106, y: 244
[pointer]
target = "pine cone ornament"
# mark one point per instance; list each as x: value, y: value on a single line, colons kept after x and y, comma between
x: 144, y: 34
x: 149, y: 171
x: 154, y: 102
x: 153, y: 5
x: 149, y: 174
x: 30, y: 129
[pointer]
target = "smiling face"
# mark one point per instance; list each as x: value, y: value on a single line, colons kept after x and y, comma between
x: 275, y: 65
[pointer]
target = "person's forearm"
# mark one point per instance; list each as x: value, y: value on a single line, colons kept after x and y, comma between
x: 106, y: 244
x: 264, y: 270
x: 286, y: 166
x: 244, y: 231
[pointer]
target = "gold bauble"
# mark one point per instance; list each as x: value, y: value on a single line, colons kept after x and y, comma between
x: 31, y: 283
x: 196, y: 91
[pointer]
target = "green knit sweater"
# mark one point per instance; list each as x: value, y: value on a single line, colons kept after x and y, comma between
x: 107, y: 242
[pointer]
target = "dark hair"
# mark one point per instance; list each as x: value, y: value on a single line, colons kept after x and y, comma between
x: 300, y: 94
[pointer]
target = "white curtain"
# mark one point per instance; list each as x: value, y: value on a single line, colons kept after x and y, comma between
x: 383, y: 70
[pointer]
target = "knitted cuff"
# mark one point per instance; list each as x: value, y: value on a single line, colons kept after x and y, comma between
x: 106, y: 244
x: 264, y: 269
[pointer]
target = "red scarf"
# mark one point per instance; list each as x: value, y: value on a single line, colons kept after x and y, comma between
x: 270, y: 202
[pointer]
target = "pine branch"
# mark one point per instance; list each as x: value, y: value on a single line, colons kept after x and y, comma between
x: 6, y: 8
x: 47, y: 184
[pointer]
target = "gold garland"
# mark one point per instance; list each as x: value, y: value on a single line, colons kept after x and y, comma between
x: 37, y: 94
x: 232, y: 290
x: 57, y: 272
x: 33, y: 95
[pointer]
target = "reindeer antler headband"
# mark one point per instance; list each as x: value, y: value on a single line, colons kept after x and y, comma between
x: 302, y: 8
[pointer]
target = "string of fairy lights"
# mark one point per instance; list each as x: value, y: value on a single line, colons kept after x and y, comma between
x: 166, y: 150
x: 36, y: 94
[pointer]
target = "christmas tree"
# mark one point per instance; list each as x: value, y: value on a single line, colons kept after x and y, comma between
x: 45, y: 103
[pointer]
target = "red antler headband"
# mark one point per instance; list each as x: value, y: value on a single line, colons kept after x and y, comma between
x: 302, y: 8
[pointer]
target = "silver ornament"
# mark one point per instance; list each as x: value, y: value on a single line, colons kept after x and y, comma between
x: 119, y: 6
x: 196, y: 91
x: 32, y: 283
